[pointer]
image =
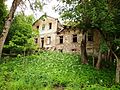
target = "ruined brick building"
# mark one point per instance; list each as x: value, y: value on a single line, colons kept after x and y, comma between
x: 54, y: 36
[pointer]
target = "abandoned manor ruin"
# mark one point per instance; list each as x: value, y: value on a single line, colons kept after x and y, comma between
x: 55, y: 36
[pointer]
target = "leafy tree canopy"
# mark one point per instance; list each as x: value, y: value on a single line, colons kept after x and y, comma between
x: 3, y: 13
x: 21, y: 35
x: 93, y: 14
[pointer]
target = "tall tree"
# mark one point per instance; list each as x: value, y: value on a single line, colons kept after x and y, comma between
x: 35, y: 4
x: 102, y: 15
x: 116, y: 38
x: 3, y: 13
x: 104, y: 18
x: 99, y: 11
x: 20, y: 39
x: 7, y: 24
x: 79, y: 12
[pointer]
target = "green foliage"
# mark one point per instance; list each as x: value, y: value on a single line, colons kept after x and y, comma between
x: 103, y: 47
x: 3, y: 13
x: 78, y: 12
x: 50, y: 70
x: 101, y: 15
x: 21, y: 36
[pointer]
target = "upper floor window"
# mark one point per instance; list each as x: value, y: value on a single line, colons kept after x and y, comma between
x: 37, y: 27
x: 43, y: 27
x: 48, y: 40
x: 75, y: 38
x: 36, y: 40
x: 90, y: 36
x: 50, y: 25
x: 61, y: 39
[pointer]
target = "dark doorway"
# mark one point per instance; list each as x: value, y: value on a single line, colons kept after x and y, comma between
x: 42, y: 42
x: 61, y: 39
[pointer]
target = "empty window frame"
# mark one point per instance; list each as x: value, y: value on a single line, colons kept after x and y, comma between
x: 48, y: 40
x: 75, y: 38
x: 50, y: 25
x: 61, y: 39
x: 37, y: 27
x: 90, y: 36
x: 36, y: 40
x: 43, y: 27
x: 42, y: 42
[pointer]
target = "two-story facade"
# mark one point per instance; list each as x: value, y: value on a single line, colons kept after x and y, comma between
x: 54, y: 36
x: 47, y: 27
x: 69, y: 40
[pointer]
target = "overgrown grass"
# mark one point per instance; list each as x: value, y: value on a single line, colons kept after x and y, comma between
x: 52, y: 70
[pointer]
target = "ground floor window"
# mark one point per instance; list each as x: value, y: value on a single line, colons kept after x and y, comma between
x: 61, y: 39
x: 42, y: 42
x: 48, y: 40
x: 75, y: 38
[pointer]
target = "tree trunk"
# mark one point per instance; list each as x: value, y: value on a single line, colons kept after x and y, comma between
x: 109, y: 57
x: 84, y: 57
x: 118, y: 72
x: 99, y: 60
x: 117, y: 79
x: 8, y: 24
x: 93, y: 57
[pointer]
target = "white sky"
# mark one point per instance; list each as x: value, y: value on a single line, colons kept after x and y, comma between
x: 47, y: 9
